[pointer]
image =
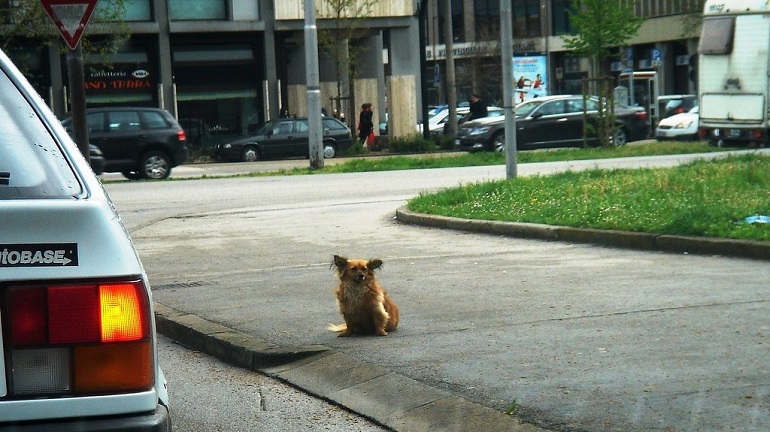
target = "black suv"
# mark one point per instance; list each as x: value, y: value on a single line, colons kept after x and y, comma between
x: 139, y: 142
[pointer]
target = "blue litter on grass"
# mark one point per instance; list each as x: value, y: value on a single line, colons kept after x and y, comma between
x: 757, y: 219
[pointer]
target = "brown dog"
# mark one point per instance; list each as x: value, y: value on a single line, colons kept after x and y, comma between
x: 365, y: 306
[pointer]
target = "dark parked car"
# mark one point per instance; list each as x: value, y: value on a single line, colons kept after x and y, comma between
x: 286, y: 137
x: 138, y: 142
x: 551, y: 121
x: 96, y: 159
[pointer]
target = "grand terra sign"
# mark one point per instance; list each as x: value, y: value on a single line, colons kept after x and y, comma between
x: 112, y: 81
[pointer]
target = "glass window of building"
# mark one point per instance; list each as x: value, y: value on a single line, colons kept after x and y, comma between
x: 182, y: 10
x: 560, y: 17
x: 526, y: 18
x: 133, y: 10
x: 216, y: 88
x: 458, y: 21
x: 487, y: 13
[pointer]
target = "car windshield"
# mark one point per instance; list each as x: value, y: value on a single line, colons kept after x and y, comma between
x: 525, y: 108
x: 266, y: 127
x: 31, y: 163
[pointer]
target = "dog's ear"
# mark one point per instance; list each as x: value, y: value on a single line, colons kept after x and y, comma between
x: 340, y: 261
x: 374, y: 264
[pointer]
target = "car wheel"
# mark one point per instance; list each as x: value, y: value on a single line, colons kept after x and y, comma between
x: 250, y: 154
x: 620, y: 138
x: 329, y: 150
x: 155, y: 165
x: 131, y: 175
x: 498, y: 142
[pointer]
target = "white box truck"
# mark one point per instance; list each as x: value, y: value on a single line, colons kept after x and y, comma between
x: 734, y: 72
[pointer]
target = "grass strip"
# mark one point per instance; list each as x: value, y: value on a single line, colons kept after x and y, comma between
x: 704, y: 198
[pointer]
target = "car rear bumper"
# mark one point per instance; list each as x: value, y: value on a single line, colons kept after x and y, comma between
x: 156, y: 421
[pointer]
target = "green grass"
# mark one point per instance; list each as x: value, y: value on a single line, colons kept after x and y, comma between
x: 448, y: 160
x: 703, y: 198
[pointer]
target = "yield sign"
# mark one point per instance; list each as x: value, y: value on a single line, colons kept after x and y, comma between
x: 70, y: 17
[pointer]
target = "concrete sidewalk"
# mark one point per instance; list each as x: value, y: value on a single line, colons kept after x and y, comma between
x: 388, y: 398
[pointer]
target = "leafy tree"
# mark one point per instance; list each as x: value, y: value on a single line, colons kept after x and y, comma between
x: 27, y: 25
x: 347, y: 18
x: 602, y: 28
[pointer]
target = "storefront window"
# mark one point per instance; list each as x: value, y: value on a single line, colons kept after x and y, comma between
x: 216, y: 87
x: 181, y: 10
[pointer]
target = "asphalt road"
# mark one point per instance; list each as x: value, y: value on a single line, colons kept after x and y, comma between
x: 209, y: 395
x: 574, y: 336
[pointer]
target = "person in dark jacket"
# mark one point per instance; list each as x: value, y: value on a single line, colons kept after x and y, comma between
x: 365, y: 123
x: 478, y: 108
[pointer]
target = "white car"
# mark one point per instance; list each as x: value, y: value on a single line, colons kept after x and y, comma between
x: 682, y: 126
x: 78, y: 349
x: 438, y: 120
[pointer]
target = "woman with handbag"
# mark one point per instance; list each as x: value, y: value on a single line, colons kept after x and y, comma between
x: 366, y: 125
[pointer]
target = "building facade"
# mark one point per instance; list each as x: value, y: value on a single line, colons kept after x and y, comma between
x: 661, y: 54
x: 224, y: 66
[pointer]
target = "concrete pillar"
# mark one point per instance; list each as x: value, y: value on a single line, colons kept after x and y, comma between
x: 404, y: 84
x: 167, y: 97
x: 369, y: 76
x: 272, y: 91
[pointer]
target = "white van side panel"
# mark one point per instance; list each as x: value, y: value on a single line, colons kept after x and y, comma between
x: 734, y: 87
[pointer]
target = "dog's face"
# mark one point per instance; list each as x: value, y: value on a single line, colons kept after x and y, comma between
x: 356, y: 270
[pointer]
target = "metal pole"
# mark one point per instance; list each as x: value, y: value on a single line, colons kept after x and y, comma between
x: 78, y: 99
x: 423, y: 64
x: 506, y: 42
x: 312, y: 77
x: 450, y: 127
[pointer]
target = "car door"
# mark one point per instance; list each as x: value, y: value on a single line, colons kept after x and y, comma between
x: 277, y: 143
x: 299, y: 141
x: 543, y: 126
x: 122, y: 138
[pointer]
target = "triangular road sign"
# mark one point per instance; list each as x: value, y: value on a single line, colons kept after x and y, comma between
x: 70, y: 17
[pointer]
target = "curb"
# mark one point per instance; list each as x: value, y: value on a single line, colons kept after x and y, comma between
x: 620, y: 239
x: 387, y: 398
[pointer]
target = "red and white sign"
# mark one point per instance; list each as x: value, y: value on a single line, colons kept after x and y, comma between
x: 70, y: 17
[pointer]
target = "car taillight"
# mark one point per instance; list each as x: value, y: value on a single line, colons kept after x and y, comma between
x: 641, y: 115
x: 79, y: 338
x: 181, y: 136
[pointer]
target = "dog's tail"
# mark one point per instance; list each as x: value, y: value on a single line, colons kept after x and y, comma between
x: 337, y: 327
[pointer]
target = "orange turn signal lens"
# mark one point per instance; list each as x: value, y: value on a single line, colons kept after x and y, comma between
x: 124, y: 314
x: 113, y: 367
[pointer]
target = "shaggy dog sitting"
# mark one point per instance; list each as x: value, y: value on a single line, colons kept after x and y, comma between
x: 364, y: 305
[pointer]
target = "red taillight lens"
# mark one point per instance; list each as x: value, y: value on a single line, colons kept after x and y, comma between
x: 181, y: 135
x: 73, y: 314
x: 28, y: 316
x: 82, y: 338
x: 642, y: 115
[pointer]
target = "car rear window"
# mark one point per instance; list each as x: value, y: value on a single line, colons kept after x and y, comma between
x: 124, y: 121
x: 154, y: 120
x: 331, y: 123
x: 31, y: 163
